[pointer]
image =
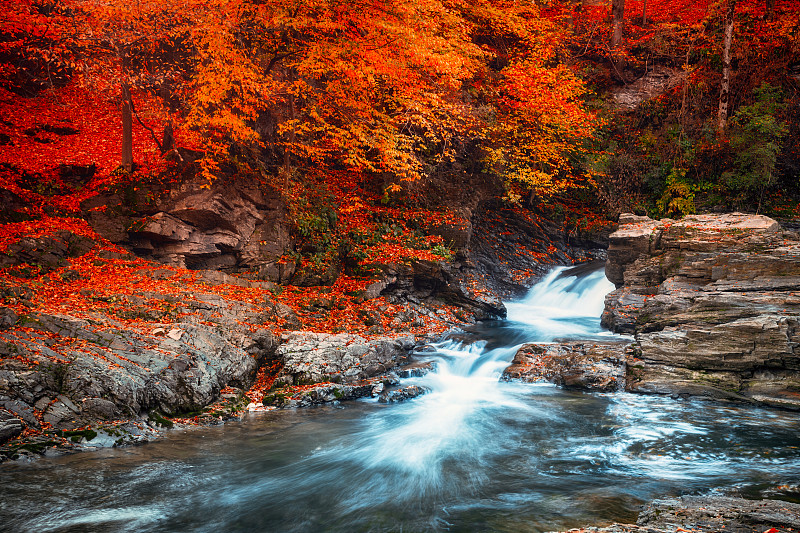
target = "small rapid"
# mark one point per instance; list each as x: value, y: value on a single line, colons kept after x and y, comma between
x: 473, y: 454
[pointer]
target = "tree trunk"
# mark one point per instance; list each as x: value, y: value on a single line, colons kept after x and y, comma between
x: 724, y: 93
x: 770, y: 10
x: 617, y: 22
x: 127, y: 129
x: 168, y: 139
x: 287, y: 160
x: 644, y: 12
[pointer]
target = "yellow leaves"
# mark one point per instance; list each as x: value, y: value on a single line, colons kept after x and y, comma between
x: 539, y: 120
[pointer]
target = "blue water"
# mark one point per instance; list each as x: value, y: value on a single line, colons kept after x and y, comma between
x: 475, y: 454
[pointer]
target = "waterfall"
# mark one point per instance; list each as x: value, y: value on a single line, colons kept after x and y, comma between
x: 456, y: 425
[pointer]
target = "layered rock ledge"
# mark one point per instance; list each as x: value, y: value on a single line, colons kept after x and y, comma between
x: 713, y: 303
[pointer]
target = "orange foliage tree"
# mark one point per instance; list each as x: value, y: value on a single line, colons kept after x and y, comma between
x: 539, y: 119
x: 134, y: 45
x: 34, y: 50
x: 379, y: 87
x: 366, y: 84
x: 383, y: 87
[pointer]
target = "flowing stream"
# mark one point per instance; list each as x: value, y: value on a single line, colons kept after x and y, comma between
x: 474, y: 454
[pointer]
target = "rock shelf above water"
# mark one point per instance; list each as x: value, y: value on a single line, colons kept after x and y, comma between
x: 713, y: 302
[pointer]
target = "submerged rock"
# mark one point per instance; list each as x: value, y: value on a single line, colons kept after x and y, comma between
x: 714, y: 304
x: 402, y: 394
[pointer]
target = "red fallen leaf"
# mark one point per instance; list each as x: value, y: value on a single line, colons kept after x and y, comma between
x: 771, y: 530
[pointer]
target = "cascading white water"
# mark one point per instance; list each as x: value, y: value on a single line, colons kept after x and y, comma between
x: 467, y: 402
x: 563, y: 305
x: 561, y: 294
x: 474, y: 454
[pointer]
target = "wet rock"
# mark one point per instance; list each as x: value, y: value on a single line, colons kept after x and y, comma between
x: 60, y: 410
x: 583, y: 366
x: 10, y: 426
x: 323, y: 393
x: 432, y: 281
x: 720, y: 513
x: 714, y: 304
x: 709, y: 514
x: 416, y: 369
x: 402, y: 394
x: 19, y: 409
x: 99, y: 408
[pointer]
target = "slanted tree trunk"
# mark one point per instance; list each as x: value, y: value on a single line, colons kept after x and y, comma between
x: 617, y: 22
x: 127, y: 129
x: 724, y: 93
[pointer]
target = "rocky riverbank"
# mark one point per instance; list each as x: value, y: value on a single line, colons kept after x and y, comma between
x: 162, y: 306
x: 712, y: 303
x: 99, y: 347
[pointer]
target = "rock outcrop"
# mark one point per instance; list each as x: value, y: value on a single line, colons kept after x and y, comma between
x: 62, y: 372
x: 713, y: 302
x: 710, y: 514
x: 323, y: 367
x: 233, y: 224
x: 585, y: 366
x: 511, y: 249
x: 309, y: 357
x: 429, y: 282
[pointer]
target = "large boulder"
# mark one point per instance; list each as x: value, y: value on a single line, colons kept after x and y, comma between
x: 431, y: 281
x: 586, y: 366
x: 309, y: 357
x: 713, y: 302
x: 114, y: 373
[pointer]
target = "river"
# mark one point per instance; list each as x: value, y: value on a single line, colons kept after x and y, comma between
x: 474, y: 454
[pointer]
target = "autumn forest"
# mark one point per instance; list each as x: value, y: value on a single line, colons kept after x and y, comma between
x: 237, y: 177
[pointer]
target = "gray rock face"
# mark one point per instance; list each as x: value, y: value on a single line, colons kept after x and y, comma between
x: 343, y: 358
x: 720, y: 514
x: 402, y: 394
x: 428, y: 280
x: 654, y: 83
x: 10, y: 426
x: 234, y: 225
x: 584, y: 366
x: 45, y: 253
x: 124, y: 373
x: 713, y: 302
x: 512, y: 249
x: 66, y: 372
